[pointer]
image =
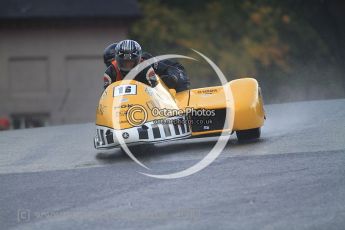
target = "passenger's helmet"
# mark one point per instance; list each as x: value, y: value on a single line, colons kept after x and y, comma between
x: 109, y: 54
x: 127, y: 55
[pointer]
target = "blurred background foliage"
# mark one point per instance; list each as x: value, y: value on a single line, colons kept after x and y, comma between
x: 294, y: 48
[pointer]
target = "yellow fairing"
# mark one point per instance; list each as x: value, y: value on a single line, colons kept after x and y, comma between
x: 113, y: 106
x: 249, y: 110
x: 247, y: 103
x: 211, y: 98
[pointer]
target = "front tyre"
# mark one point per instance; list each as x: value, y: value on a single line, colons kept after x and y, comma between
x: 249, y: 134
x: 140, y: 149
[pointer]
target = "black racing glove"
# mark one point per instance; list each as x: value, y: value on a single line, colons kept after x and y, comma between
x: 170, y: 81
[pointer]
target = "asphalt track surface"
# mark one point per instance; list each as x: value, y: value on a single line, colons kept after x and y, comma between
x: 292, y: 178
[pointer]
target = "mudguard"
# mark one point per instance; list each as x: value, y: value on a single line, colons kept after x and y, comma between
x: 248, y: 102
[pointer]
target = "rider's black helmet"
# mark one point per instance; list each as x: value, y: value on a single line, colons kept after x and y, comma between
x: 127, y: 54
x: 109, y: 54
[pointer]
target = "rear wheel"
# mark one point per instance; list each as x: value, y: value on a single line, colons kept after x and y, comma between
x: 249, y: 134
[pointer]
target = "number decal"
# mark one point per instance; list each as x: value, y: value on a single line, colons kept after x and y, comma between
x: 125, y: 90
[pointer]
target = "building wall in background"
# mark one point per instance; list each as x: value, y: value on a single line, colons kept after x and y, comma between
x: 54, y: 73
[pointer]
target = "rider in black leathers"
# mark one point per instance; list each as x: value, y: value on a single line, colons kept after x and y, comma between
x: 171, y: 72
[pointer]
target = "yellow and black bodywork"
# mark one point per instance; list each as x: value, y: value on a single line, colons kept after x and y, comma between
x: 136, y: 113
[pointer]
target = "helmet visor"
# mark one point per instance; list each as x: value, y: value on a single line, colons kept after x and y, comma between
x: 127, y: 64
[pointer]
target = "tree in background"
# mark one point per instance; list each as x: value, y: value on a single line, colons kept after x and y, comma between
x: 270, y: 40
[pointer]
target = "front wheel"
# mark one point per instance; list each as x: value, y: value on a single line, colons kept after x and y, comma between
x: 140, y: 149
x: 249, y: 134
